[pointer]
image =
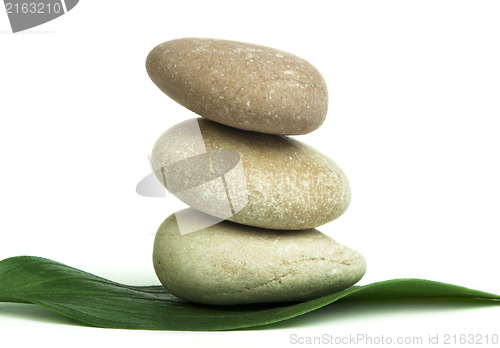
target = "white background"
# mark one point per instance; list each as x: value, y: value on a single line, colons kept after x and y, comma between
x: 413, y: 121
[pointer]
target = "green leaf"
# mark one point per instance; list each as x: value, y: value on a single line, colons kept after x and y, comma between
x: 99, y: 302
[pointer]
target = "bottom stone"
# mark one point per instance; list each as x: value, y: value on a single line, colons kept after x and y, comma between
x: 228, y: 263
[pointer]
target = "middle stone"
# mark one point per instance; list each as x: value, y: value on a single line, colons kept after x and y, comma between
x: 261, y: 180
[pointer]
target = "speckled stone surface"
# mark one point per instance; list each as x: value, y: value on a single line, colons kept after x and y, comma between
x: 229, y: 263
x: 283, y: 184
x: 241, y: 85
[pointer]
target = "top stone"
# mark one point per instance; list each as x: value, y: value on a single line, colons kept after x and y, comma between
x: 241, y: 85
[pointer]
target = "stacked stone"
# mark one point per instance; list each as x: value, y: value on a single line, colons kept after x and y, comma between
x: 255, y: 194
